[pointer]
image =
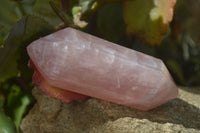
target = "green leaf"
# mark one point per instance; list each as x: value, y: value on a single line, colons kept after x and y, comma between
x: 8, y: 15
x: 110, y: 22
x: 10, y: 12
x: 23, y: 32
x: 148, y: 19
x: 19, y: 112
x: 6, y: 125
x: 43, y: 9
x: 26, y: 6
x: 17, y: 102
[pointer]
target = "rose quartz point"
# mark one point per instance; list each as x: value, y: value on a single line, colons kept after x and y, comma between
x: 81, y: 63
x: 61, y: 94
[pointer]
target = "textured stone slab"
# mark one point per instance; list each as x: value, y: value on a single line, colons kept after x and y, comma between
x: 181, y: 115
x: 78, y: 62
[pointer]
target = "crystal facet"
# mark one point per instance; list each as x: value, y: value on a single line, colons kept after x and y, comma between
x: 81, y: 63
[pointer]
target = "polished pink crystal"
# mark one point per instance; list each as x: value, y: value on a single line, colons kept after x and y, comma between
x: 81, y: 63
x: 62, y: 94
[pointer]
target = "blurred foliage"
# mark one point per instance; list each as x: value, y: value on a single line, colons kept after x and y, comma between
x: 6, y: 125
x: 137, y: 24
x: 22, y: 34
x: 105, y: 27
x: 148, y: 20
x: 42, y: 9
x: 17, y: 100
x: 10, y: 12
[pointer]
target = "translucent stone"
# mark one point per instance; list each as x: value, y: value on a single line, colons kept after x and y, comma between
x: 81, y: 63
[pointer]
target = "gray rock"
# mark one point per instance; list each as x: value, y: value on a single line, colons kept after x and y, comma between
x: 181, y: 115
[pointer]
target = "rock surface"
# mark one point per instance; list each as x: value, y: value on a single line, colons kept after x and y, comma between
x: 181, y: 115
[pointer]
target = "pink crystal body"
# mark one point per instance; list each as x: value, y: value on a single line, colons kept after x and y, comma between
x: 78, y: 62
x: 62, y: 94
